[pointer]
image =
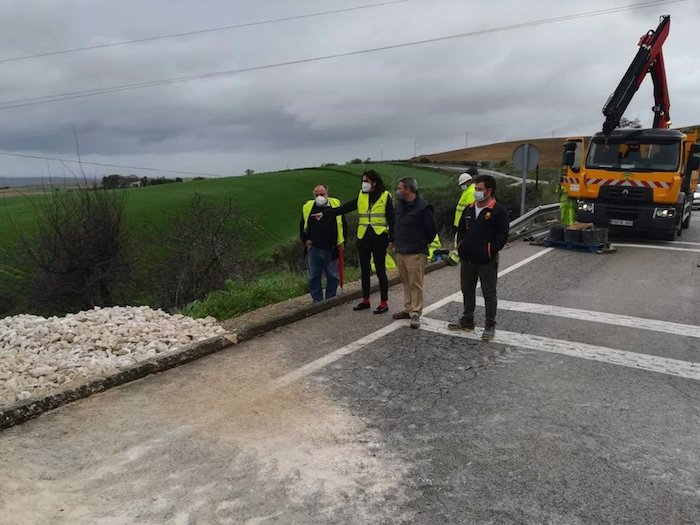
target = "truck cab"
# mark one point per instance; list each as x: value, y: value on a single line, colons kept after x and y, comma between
x: 640, y: 179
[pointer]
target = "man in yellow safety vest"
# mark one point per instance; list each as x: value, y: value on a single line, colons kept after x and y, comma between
x: 323, y: 241
x: 466, y: 184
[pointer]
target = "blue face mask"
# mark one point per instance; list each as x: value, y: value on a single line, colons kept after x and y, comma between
x: 479, y: 195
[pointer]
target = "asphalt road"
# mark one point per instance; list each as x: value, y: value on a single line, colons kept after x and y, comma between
x: 484, y: 171
x: 584, y: 409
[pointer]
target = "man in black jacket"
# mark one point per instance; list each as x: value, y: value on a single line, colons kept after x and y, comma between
x: 323, y: 240
x: 414, y: 230
x: 482, y: 232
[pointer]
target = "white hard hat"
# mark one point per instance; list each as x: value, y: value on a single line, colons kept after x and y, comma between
x: 464, y: 178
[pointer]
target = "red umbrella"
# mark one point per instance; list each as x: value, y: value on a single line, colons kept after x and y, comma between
x: 341, y: 265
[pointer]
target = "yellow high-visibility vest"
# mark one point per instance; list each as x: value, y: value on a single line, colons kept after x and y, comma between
x: 435, y: 245
x: 465, y: 200
x: 389, y: 263
x: 374, y: 216
x: 306, y: 212
x: 567, y: 208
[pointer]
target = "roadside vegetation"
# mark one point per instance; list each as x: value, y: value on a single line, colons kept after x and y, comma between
x: 217, y: 247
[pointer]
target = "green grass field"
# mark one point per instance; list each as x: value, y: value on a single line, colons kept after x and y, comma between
x: 273, y: 200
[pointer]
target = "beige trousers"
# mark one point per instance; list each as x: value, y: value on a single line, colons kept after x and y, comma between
x: 411, y: 269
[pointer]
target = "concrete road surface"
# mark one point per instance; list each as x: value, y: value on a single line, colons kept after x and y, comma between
x: 585, y: 409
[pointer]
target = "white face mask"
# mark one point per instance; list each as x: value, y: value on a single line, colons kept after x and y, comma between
x: 479, y: 195
x: 366, y: 186
x: 462, y: 187
x: 321, y: 200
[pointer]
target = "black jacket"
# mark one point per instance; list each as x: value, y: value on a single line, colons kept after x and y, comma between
x: 323, y: 233
x: 479, y: 239
x: 414, y: 226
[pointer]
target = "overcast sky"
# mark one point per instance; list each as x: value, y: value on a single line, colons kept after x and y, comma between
x: 543, y: 80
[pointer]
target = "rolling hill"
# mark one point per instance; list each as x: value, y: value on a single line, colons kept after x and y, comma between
x: 550, y: 152
x: 274, y: 199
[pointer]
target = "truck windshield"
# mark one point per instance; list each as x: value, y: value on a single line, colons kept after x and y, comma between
x: 634, y: 157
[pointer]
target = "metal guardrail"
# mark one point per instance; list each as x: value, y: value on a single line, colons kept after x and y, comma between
x: 526, y: 224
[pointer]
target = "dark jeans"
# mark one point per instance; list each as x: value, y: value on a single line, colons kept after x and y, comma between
x: 321, y: 261
x: 487, y: 274
x: 373, y: 245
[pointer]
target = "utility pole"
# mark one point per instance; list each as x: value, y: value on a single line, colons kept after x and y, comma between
x: 466, y: 140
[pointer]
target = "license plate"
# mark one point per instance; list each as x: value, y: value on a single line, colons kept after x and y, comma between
x: 620, y: 222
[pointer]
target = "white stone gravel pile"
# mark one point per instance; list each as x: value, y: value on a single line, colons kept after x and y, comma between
x: 40, y: 356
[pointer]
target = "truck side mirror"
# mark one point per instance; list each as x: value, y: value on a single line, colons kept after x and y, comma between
x: 569, y: 158
x: 695, y: 149
x: 693, y: 163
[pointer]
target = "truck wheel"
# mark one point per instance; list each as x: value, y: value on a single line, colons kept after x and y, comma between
x: 686, y: 222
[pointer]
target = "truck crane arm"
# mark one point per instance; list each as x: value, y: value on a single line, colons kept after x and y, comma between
x: 649, y: 59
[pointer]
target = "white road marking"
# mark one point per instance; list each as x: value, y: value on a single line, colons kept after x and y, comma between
x: 656, y: 247
x: 327, y: 359
x: 668, y: 243
x: 324, y: 361
x: 599, y: 317
x: 650, y: 363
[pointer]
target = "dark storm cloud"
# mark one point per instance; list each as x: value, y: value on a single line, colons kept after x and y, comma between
x: 506, y: 85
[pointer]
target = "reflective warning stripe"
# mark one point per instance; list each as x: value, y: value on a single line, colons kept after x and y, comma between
x: 569, y: 180
x: 366, y: 218
x: 630, y: 183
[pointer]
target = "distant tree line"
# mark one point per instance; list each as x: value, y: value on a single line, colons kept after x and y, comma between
x: 116, y: 181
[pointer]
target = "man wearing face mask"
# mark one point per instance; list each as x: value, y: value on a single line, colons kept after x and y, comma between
x: 375, y: 229
x: 466, y: 184
x: 323, y: 241
x: 414, y: 229
x: 481, y: 233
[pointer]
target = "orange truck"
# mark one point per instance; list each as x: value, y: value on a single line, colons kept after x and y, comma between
x: 635, y: 179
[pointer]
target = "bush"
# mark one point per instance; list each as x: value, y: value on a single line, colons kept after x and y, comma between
x: 14, y: 279
x: 78, y: 255
x: 198, y: 249
x: 508, y: 193
x: 290, y: 257
x: 444, y: 201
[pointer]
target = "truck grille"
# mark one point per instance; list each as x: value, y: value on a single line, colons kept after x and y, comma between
x: 626, y: 196
x: 629, y: 214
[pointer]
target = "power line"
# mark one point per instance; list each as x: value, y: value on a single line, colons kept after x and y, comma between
x: 140, y: 85
x: 199, y: 31
x: 43, y: 157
